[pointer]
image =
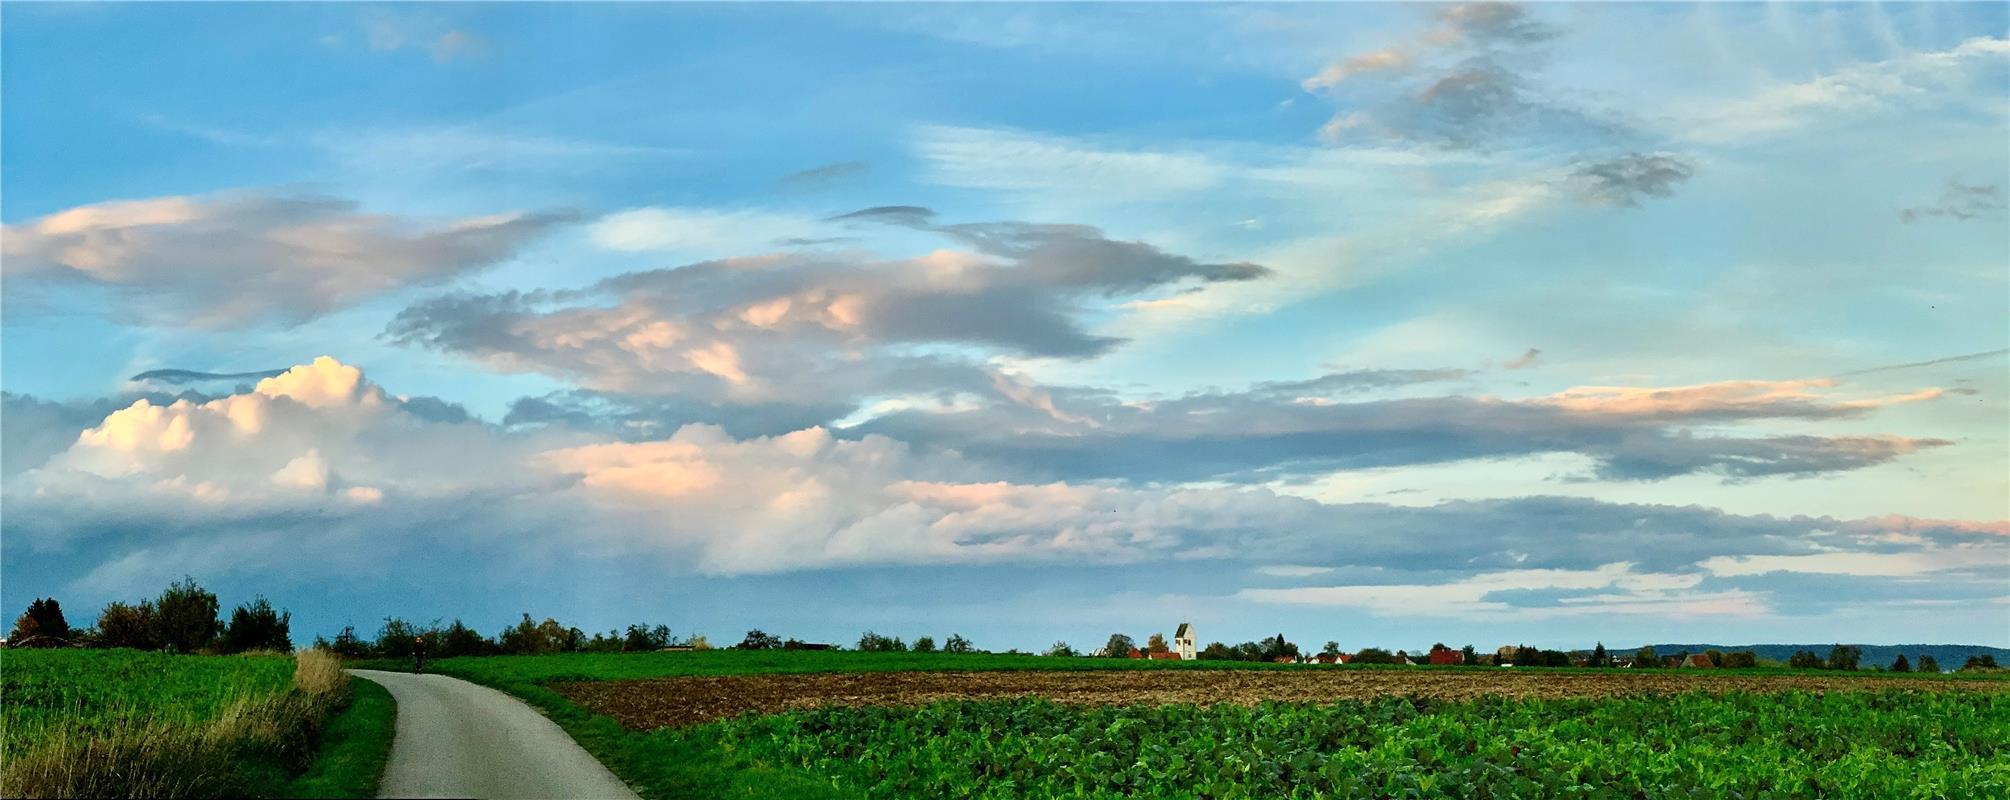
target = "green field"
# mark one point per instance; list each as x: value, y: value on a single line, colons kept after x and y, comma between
x: 1890, y: 742
x: 129, y: 723
x: 1837, y: 744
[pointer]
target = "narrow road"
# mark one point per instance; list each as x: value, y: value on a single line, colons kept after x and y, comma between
x: 457, y: 739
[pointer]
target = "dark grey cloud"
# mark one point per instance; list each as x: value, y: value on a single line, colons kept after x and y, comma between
x: 823, y: 176
x: 185, y: 376
x: 1628, y: 179
x: 638, y: 417
x: 911, y: 216
x: 1960, y: 201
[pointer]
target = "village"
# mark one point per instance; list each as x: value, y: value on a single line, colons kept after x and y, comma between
x: 1184, y: 646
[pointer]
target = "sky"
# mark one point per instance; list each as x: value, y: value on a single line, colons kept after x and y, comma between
x: 1378, y: 324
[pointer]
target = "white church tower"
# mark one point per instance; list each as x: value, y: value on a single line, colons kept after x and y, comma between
x: 1182, y: 643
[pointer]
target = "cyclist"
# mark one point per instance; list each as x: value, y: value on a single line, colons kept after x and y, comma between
x: 418, y: 654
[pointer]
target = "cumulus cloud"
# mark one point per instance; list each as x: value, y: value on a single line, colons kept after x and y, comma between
x: 797, y: 329
x: 230, y: 260
x: 318, y: 465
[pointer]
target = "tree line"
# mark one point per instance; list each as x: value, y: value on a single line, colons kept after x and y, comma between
x: 184, y: 618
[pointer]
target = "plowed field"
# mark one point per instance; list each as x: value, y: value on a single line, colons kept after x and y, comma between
x: 674, y: 702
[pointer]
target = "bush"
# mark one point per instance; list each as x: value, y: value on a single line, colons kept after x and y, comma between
x: 1805, y: 659
x: 257, y: 626
x: 1061, y: 649
x: 925, y: 644
x: 185, y: 617
x: 1743, y: 659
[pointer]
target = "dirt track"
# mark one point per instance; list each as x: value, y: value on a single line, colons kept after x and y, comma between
x: 672, y: 702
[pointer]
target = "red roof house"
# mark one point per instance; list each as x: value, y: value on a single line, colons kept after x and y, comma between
x: 1446, y: 657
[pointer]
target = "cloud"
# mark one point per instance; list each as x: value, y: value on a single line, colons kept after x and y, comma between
x: 321, y: 467
x: 1627, y: 179
x: 1284, y: 429
x: 184, y: 376
x: 389, y: 31
x: 231, y: 260
x: 697, y: 230
x: 984, y: 158
x: 1523, y: 361
x: 1911, y: 81
x: 823, y: 176
x: 1960, y: 201
x: 796, y: 328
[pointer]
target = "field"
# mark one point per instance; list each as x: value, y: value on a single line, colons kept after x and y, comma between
x: 124, y: 723
x: 843, y: 725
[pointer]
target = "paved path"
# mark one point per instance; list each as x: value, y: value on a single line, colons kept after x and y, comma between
x: 456, y: 739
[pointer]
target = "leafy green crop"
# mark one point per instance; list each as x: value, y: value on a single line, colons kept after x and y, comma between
x: 98, y: 692
x: 1796, y: 744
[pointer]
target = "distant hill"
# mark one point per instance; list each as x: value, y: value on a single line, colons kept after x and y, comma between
x: 1950, y: 656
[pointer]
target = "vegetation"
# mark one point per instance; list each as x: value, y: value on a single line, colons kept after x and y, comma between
x: 354, y: 748
x: 42, y: 625
x: 123, y: 723
x: 1793, y: 744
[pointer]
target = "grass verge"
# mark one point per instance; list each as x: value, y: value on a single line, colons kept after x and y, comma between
x: 87, y: 733
x: 355, y: 746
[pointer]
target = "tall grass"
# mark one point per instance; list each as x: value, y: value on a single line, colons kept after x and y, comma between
x: 249, y: 747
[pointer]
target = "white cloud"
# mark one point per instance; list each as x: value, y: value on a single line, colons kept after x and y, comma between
x: 1909, y: 81
x: 1610, y: 589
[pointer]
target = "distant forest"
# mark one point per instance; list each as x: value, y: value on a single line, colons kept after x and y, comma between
x: 1949, y: 655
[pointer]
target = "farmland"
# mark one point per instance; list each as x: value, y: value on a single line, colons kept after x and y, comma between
x: 128, y: 723
x: 820, y: 725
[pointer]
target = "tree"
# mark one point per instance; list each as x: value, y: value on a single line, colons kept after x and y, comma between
x: 925, y: 644
x: 1900, y: 664
x: 461, y: 640
x: 1645, y: 658
x: 1805, y: 659
x: 1979, y: 663
x: 1928, y: 665
x: 758, y: 639
x: 43, y: 618
x: 1599, y: 657
x: 1216, y: 651
x: 874, y: 643
x: 1716, y: 657
x: 1373, y: 655
x: 1472, y: 657
x: 394, y: 637
x: 1554, y: 658
x: 185, y: 615
x: 957, y: 644
x: 641, y: 637
x: 1844, y: 657
x: 698, y: 642
x: 348, y: 645
x: 1156, y: 644
x: 1276, y: 647
x: 121, y: 625
x: 1331, y: 649
x: 1249, y: 651
x: 1061, y: 649
x: 1119, y: 646
x: 258, y: 626
x: 1742, y: 659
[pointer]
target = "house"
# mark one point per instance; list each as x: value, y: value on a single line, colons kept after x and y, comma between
x: 1670, y: 662
x: 1442, y: 656
x: 1698, y: 660
x: 1330, y: 658
x: 1165, y: 656
x: 1284, y: 660
x: 1183, y: 643
x: 1135, y: 653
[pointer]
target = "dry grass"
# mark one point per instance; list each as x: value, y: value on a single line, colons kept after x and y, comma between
x: 172, y: 758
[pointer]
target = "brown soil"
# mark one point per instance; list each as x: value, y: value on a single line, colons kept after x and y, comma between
x: 674, y: 702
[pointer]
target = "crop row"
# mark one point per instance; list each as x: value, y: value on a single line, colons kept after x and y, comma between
x: 1887, y: 744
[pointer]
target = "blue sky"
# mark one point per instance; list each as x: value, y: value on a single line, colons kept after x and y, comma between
x: 1382, y: 324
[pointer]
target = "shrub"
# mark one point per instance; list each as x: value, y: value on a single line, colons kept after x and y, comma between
x: 257, y: 626
x: 871, y: 642
x: 1805, y: 659
x: 925, y: 644
x: 1743, y: 659
x: 1061, y: 649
